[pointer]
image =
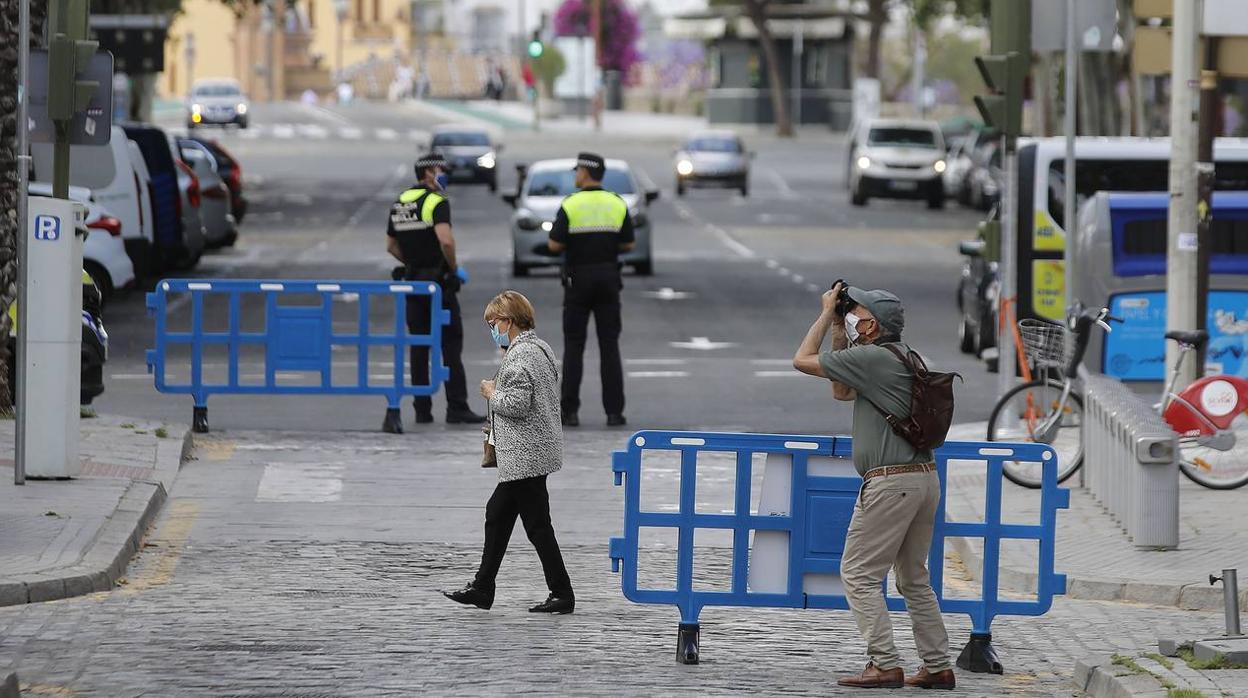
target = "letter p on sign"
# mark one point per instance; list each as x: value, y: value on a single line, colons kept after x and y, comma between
x: 47, y: 228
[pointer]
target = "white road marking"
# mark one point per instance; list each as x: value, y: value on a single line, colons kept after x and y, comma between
x: 799, y: 279
x: 786, y: 192
x: 283, y: 131
x: 658, y: 374
x: 387, y: 134
x: 771, y: 362
x: 702, y: 344
x: 417, y: 135
x: 668, y: 294
x: 656, y: 362
x: 314, y: 131
x: 300, y: 482
x: 777, y: 374
x: 324, y: 114
x: 772, y: 264
x: 724, y: 237
x: 814, y: 288
x: 351, y: 133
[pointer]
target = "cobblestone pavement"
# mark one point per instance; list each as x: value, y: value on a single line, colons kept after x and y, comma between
x: 308, y: 565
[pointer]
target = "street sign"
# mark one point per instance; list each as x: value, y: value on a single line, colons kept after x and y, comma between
x: 1095, y: 26
x: 92, y: 126
x: 137, y: 42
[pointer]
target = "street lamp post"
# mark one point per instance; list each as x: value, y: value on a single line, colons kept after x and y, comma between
x: 340, y: 9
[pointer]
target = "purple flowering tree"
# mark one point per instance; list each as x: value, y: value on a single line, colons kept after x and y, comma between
x: 620, y: 30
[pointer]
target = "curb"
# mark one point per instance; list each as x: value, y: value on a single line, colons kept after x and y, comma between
x: 105, y: 562
x: 1098, y: 677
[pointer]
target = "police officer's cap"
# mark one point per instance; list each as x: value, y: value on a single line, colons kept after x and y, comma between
x: 593, y: 163
x: 429, y: 160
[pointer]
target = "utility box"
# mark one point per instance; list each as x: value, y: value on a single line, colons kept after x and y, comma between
x: 53, y: 336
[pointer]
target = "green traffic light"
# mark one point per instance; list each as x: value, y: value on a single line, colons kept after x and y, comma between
x: 535, y: 48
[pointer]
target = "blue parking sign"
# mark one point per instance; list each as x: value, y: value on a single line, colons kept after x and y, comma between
x: 47, y: 228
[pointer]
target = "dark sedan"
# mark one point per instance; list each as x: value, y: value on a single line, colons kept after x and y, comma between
x: 978, y: 290
x: 470, y: 154
x: 713, y: 158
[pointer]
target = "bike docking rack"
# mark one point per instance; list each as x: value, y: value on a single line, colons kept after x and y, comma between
x: 1131, y: 462
x: 294, y: 339
x: 808, y: 493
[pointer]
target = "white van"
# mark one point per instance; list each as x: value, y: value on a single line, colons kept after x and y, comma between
x: 1101, y: 164
x: 118, y: 182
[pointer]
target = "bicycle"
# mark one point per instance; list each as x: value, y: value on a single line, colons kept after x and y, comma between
x: 1210, y: 416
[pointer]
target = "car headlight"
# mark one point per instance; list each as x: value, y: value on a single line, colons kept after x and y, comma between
x: 939, y: 166
x: 864, y: 162
x: 684, y: 168
x: 241, y: 108
x: 486, y: 161
x: 548, y: 226
x: 197, y: 108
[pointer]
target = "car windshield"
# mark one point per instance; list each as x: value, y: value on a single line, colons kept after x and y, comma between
x: 905, y: 137
x: 713, y: 145
x: 217, y: 91
x: 453, y: 139
x: 563, y: 182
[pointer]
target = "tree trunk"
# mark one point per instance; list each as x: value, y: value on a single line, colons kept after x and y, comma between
x: 8, y: 171
x: 877, y: 15
x: 757, y: 10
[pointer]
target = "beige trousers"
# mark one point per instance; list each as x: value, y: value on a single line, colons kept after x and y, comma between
x: 892, y: 528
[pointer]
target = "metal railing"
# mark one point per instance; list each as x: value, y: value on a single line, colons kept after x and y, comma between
x: 1131, y: 462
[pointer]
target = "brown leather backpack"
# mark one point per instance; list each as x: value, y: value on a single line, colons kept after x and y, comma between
x: 931, y: 403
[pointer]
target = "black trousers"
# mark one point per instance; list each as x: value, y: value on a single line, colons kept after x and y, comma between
x: 529, y: 500
x: 418, y: 322
x: 593, y: 292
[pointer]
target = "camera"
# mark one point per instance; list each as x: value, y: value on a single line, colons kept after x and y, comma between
x: 844, y: 303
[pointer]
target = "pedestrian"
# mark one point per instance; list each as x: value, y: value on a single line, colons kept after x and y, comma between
x: 528, y: 441
x: 419, y: 235
x: 592, y: 228
x: 894, y: 517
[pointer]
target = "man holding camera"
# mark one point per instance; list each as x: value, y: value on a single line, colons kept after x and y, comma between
x: 895, y: 514
x: 419, y: 236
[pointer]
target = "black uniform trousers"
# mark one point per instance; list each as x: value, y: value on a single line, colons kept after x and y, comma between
x: 529, y: 500
x: 593, y: 290
x: 418, y: 322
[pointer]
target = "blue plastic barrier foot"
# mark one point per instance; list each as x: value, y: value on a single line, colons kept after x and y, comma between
x: 979, y: 657
x: 687, y: 641
x: 199, y: 420
x: 394, y: 421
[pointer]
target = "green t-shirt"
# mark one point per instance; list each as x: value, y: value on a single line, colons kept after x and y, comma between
x: 876, y: 374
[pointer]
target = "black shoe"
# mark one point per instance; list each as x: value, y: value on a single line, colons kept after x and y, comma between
x: 464, y: 416
x: 555, y: 605
x: 471, y: 596
x: 424, y: 417
x: 570, y: 419
x: 616, y: 420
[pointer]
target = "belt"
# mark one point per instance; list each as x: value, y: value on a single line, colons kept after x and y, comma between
x: 899, y: 470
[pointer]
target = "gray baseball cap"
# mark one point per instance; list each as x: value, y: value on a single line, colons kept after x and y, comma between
x: 884, y: 305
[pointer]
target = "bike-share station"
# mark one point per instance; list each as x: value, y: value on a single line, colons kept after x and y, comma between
x: 290, y: 348
x: 786, y: 550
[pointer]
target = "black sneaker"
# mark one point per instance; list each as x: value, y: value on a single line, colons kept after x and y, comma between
x: 570, y: 419
x: 464, y: 416
x: 555, y: 605
x: 616, y: 420
x: 424, y: 417
x: 471, y: 596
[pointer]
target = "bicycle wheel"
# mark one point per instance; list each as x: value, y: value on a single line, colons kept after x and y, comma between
x: 1219, y: 463
x: 1020, y: 413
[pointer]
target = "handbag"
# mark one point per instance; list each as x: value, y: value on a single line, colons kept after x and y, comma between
x: 489, y: 459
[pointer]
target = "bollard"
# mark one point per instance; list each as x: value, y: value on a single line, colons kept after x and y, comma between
x: 1230, y: 600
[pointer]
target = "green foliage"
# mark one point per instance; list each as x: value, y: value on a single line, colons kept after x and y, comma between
x: 925, y: 11
x: 549, y: 66
x: 1218, y: 662
x: 1184, y: 693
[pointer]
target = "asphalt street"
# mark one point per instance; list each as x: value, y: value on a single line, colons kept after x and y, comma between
x: 743, y: 273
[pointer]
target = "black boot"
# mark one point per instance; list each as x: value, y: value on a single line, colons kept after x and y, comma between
x: 616, y: 420
x: 555, y: 605
x: 570, y: 419
x: 472, y: 596
x: 463, y: 415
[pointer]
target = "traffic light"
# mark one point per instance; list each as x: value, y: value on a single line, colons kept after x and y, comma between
x: 69, y: 58
x: 1005, y: 77
x: 535, y: 46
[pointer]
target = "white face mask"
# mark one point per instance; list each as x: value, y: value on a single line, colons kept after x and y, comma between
x: 851, y: 327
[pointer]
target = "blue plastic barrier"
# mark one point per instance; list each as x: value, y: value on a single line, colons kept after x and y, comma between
x: 818, y: 518
x: 295, y: 337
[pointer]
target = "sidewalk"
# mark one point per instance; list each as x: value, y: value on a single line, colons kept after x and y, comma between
x: 518, y: 116
x: 72, y: 537
x: 1099, y: 562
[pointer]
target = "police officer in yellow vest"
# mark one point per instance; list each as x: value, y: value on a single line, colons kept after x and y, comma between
x: 592, y: 228
x: 419, y: 235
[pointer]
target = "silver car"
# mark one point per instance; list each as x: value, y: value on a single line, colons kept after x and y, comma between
x: 217, y: 101
x: 713, y: 158
x: 220, y: 228
x: 545, y: 185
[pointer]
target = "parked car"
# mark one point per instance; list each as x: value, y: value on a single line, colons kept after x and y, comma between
x: 178, y: 245
x: 978, y: 291
x: 987, y: 178
x: 104, y: 251
x: 471, y: 155
x: 231, y: 172
x: 544, y: 186
x: 897, y: 159
x: 94, y: 351
x: 713, y: 158
x: 220, y: 229
x: 117, y: 178
x: 190, y: 198
x: 958, y: 167
x: 217, y: 101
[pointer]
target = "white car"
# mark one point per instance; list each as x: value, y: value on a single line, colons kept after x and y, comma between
x: 897, y: 159
x: 217, y: 101
x: 104, y: 252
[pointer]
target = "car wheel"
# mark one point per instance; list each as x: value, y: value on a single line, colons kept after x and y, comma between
x: 103, y: 281
x: 242, y: 124
x: 645, y: 268
x: 493, y: 185
x: 745, y: 187
x: 936, y: 199
x: 966, y: 337
x: 518, y: 269
x: 858, y: 197
x: 680, y: 189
